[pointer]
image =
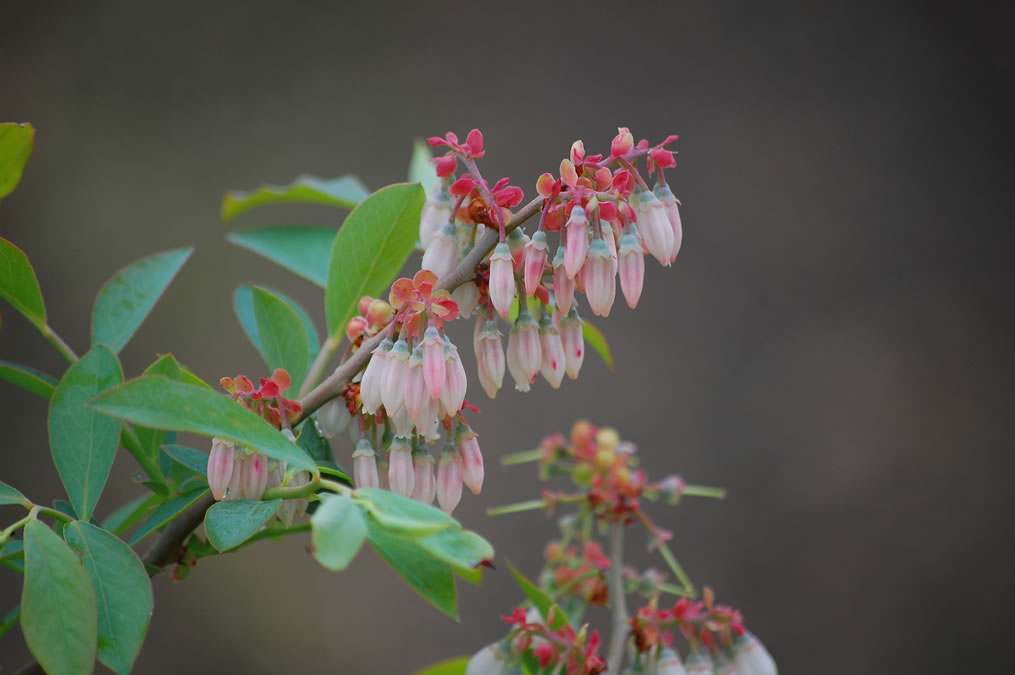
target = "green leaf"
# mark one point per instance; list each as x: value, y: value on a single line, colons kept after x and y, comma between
x: 301, y: 249
x: 84, y: 441
x: 595, y: 339
x: 243, y: 306
x: 130, y: 514
x: 337, y: 532
x: 13, y: 549
x: 427, y: 576
x: 126, y: 299
x: 167, y: 512
x: 232, y: 522
x: 16, y: 141
x: 448, y: 667
x: 318, y: 447
x: 58, y: 606
x: 122, y: 589
x: 157, y: 402
x: 280, y: 332
x: 167, y: 365
x: 421, y: 169
x: 29, y: 379
x: 9, y: 620
x: 463, y: 550
x: 370, y: 249
x: 345, y: 192
x: 18, y: 284
x: 10, y: 495
x: 195, y: 460
x: 402, y: 515
x: 541, y: 600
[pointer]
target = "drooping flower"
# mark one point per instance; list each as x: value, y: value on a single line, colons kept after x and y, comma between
x: 364, y: 465
x: 600, y: 284
x: 436, y: 212
x: 424, y: 486
x: 490, y: 358
x: 442, y: 252
x: 502, y: 279
x: 750, y: 656
x: 535, y: 261
x: 466, y: 297
x: 401, y: 477
x: 373, y: 377
x: 553, y: 362
x: 654, y: 227
x: 220, y: 466
x: 577, y: 241
x: 395, y: 373
x: 472, y: 459
x: 574, y: 343
x: 670, y: 205
x: 449, y: 479
x: 563, y: 285
x: 455, y: 380
x: 333, y: 417
x: 416, y: 395
x: 254, y: 478
x: 433, y: 360
x: 632, y: 268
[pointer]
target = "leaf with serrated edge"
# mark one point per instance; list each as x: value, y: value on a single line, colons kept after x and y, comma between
x: 83, y: 441
x: 344, y: 192
x: 127, y: 299
x: 122, y: 589
x: 18, y: 284
x: 232, y: 522
x: 370, y: 249
x: 58, y: 606
x: 161, y: 403
x: 337, y: 532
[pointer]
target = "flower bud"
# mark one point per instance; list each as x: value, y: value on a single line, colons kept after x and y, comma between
x: 255, y: 476
x: 363, y: 306
x: 395, y: 373
x: 669, y: 663
x: 455, y: 380
x: 600, y: 284
x: 655, y: 228
x: 698, y: 662
x: 553, y: 362
x: 416, y: 395
x: 220, y: 466
x: 669, y: 202
x: 433, y: 360
x: 502, y: 279
x: 449, y: 479
x: 563, y: 285
x: 333, y: 417
x: 364, y: 465
x: 428, y: 425
x: 379, y: 313
x: 574, y: 343
x: 355, y: 328
x: 401, y: 422
x: 435, y: 213
x: 401, y: 477
x: 622, y: 142
x: 235, y: 488
x: 535, y: 261
x: 492, y: 659
x: 373, y: 377
x: 632, y: 268
x: 442, y: 252
x: 577, y: 241
x: 751, y: 657
x: 466, y: 297
x: 524, y: 355
x: 424, y: 485
x: 294, y: 508
x: 472, y: 458
x: 490, y: 357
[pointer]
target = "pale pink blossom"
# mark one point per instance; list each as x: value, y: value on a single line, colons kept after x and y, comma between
x: 364, y: 465
x: 654, y: 227
x: 502, y: 279
x: 442, y: 252
x: 577, y: 241
x: 490, y: 358
x: 598, y: 275
x: 750, y: 656
x: 255, y: 476
x: 424, y: 485
x: 333, y: 417
x: 436, y: 212
x: 455, y: 380
x: 433, y: 360
x: 632, y: 268
x: 535, y: 261
x: 472, y: 459
x: 416, y: 395
x: 671, y: 206
x: 467, y: 297
x: 449, y: 479
x: 400, y: 472
x: 553, y: 364
x: 220, y: 466
x: 574, y: 343
x: 563, y: 285
x: 373, y: 378
x: 524, y: 343
x: 395, y: 372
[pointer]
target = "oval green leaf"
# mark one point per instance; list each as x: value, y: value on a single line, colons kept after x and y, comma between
x: 421, y: 169
x: 130, y: 514
x: 345, y: 192
x: 9, y: 620
x: 28, y: 379
x: 280, y: 331
x: 537, y: 597
x: 231, y: 523
x: 127, y: 299
x: 301, y: 249
x: 167, y: 512
x: 123, y: 593
x: 18, y: 284
x: 426, y: 575
x: 58, y: 606
x: 463, y: 550
x: 243, y: 306
x: 158, y: 402
x: 10, y: 495
x: 595, y: 339
x: 402, y: 515
x: 337, y: 532
x: 371, y: 247
x: 193, y: 459
x: 84, y: 441
x: 16, y: 141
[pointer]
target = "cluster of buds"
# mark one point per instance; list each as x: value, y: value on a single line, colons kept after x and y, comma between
x: 718, y: 641
x: 374, y: 315
x: 267, y: 400
x: 578, y: 572
x: 563, y: 650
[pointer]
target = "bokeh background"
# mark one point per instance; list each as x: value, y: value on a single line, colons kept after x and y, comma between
x: 833, y: 345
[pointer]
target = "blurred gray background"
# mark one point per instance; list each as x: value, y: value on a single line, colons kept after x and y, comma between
x: 833, y: 344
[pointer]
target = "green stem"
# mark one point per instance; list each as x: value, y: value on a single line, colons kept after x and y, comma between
x: 671, y: 560
x: 298, y: 492
x: 618, y: 602
x: 335, y: 486
x: 521, y: 457
x: 532, y: 505
x: 6, y: 534
x: 704, y: 491
x: 57, y: 341
x: 53, y: 513
x: 673, y: 590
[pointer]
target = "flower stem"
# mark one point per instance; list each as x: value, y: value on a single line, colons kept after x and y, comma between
x: 618, y: 603
x: 671, y: 560
x: 522, y: 457
x: 704, y: 491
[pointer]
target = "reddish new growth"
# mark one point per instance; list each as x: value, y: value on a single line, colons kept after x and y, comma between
x: 579, y: 574
x: 266, y: 400
x: 701, y: 623
x: 555, y: 647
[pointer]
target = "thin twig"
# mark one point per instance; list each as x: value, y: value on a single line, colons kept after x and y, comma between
x: 618, y: 603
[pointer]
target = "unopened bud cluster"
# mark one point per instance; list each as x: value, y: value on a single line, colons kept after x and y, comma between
x: 242, y: 473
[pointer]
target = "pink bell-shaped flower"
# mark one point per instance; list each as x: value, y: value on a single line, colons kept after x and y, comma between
x: 449, y: 479
x: 401, y: 477
x: 655, y: 228
x: 235, y: 488
x: 220, y: 466
x: 442, y: 252
x: 535, y: 261
x: 395, y: 373
x: 333, y: 417
x: 416, y: 394
x: 424, y: 486
x: 491, y: 358
x: 750, y: 656
x: 466, y: 297
x: 455, y: 380
x: 472, y: 459
x: 577, y: 241
x: 255, y: 476
x: 563, y: 285
x: 401, y: 422
x: 600, y: 284
x: 433, y: 360
x: 553, y: 364
x: 364, y: 465
x: 525, y: 338
x: 502, y: 279
x: 671, y: 206
x: 373, y: 378
x: 574, y: 343
x: 436, y: 212
x: 632, y: 268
